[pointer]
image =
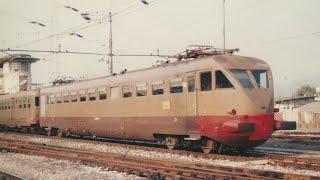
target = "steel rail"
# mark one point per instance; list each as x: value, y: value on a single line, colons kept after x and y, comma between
x: 146, y: 167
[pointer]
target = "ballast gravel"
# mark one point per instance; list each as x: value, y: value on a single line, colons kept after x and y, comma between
x: 252, y: 164
x: 36, y: 167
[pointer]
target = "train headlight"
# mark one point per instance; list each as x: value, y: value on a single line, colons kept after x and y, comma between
x: 232, y: 112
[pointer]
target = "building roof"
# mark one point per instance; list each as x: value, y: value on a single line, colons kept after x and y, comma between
x: 311, y: 107
x: 280, y: 99
x: 18, y: 58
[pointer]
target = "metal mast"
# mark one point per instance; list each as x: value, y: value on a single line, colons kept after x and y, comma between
x: 110, y: 62
x: 224, y: 23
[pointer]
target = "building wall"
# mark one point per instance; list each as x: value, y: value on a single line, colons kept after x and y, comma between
x: 16, y: 77
x: 306, y: 120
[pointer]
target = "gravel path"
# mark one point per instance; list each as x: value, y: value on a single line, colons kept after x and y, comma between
x: 35, y: 167
x: 254, y: 164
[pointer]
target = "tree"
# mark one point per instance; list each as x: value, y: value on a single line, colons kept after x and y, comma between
x: 306, y: 90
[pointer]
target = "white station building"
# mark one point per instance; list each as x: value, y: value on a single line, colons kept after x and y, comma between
x: 15, y: 73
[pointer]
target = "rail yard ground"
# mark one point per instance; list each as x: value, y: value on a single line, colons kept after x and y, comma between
x: 41, y: 157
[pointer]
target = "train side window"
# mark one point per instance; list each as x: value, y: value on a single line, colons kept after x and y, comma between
x: 222, y: 81
x: 142, y: 89
x: 28, y: 103
x: 51, y: 99
x: 191, y: 83
x: 92, y: 96
x: 83, y: 98
x: 206, y: 81
x: 59, y: 101
x: 36, y: 101
x: 176, y: 86
x: 66, y: 99
x: 74, y: 97
x: 102, y: 94
x: 126, y: 91
x: 114, y: 92
x: 157, y: 87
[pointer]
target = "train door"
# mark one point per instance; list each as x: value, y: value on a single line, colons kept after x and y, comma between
x: 191, y: 102
x: 12, y: 110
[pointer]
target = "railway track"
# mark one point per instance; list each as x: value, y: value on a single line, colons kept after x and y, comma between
x: 296, y: 135
x: 145, y: 167
x: 7, y: 176
x: 291, y: 159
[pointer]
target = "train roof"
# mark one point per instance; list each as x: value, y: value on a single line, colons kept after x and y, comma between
x: 163, y: 71
x: 18, y: 94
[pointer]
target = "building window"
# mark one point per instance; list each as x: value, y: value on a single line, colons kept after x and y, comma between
x: 222, y: 81
x: 191, y: 83
x: 142, y: 89
x: 176, y: 85
x: 114, y: 92
x: 157, y: 87
x: 126, y: 91
x: 206, y: 81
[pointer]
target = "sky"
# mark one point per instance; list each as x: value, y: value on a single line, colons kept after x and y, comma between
x: 284, y: 33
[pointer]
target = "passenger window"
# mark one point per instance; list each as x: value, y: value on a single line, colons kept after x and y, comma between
x: 66, y: 99
x: 126, y: 91
x: 51, y: 99
x: 206, y: 81
x: 102, y: 94
x: 28, y: 103
x: 222, y: 81
x: 176, y: 86
x: 114, y: 92
x: 142, y: 89
x: 36, y: 101
x: 83, y: 98
x: 92, y: 96
x: 74, y: 97
x: 191, y: 83
x: 157, y: 87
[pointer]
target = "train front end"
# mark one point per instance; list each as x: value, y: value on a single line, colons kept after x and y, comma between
x: 245, y: 114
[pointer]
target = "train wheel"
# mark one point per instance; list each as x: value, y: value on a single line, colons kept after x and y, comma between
x: 171, y: 142
x: 207, y: 145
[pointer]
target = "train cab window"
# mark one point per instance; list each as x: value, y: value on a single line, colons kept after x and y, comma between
x: 222, y: 81
x: 191, y: 83
x: 37, y: 101
x: 141, y: 89
x: 176, y: 86
x: 126, y: 91
x: 102, y: 94
x: 206, y: 81
x: 157, y: 87
x: 114, y: 92
x: 261, y: 78
x: 243, y: 78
